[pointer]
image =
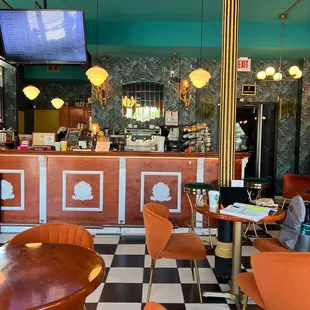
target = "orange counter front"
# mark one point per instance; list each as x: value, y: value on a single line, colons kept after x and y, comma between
x: 100, y: 189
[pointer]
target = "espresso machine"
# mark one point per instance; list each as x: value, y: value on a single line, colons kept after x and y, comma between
x: 140, y: 140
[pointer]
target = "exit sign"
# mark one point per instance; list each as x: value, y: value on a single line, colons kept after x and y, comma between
x: 244, y: 64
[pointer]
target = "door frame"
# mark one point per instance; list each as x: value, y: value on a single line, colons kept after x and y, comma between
x: 259, y: 105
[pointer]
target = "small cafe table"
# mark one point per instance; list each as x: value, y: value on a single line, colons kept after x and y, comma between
x: 234, y: 293
x: 48, y: 276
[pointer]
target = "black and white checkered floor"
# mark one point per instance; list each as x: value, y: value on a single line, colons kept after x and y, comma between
x: 127, y: 275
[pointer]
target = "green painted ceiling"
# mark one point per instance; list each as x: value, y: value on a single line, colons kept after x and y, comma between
x: 150, y: 27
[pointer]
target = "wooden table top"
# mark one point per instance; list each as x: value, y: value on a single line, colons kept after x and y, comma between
x: 278, y: 216
x: 44, y: 276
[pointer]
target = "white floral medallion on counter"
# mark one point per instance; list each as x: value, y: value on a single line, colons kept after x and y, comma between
x: 82, y: 191
x: 6, y: 190
x: 161, y: 192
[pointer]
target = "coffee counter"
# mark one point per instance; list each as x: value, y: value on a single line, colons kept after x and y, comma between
x: 102, y: 190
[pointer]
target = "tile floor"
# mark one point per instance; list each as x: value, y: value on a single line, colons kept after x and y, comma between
x: 127, y: 275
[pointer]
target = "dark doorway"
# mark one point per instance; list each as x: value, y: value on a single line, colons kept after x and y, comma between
x: 256, y: 133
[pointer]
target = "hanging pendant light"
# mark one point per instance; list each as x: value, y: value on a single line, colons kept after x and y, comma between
x: 57, y: 103
x: 96, y: 74
x: 31, y: 92
x: 270, y: 73
x: 200, y: 77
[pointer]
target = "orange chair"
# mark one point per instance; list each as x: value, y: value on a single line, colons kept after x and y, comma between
x: 153, y: 306
x: 55, y: 233
x: 279, y: 281
x: 161, y: 243
x: 295, y: 184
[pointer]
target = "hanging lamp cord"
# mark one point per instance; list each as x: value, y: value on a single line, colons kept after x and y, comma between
x: 201, y: 32
x: 97, y: 30
x: 281, y: 44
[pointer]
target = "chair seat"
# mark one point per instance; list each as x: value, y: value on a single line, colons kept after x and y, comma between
x: 184, y: 246
x: 154, y: 306
x: 259, y: 181
x: 198, y: 185
x: 247, y: 283
x: 269, y: 245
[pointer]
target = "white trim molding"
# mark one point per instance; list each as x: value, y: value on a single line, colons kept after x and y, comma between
x: 243, y: 165
x: 64, y: 190
x: 199, y: 178
x: 122, y: 191
x: 42, y: 190
x: 173, y: 174
x: 22, y: 190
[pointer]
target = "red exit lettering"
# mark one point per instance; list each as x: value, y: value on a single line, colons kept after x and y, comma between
x: 243, y: 64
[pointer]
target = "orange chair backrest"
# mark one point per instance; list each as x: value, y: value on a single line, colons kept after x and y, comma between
x: 282, y: 279
x: 55, y: 233
x: 294, y: 184
x: 158, y: 228
x: 154, y: 306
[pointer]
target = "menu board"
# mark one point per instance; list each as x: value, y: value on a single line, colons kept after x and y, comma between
x: 43, y: 36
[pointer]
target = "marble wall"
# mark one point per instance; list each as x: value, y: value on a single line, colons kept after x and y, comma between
x: 304, y: 159
x: 10, y: 100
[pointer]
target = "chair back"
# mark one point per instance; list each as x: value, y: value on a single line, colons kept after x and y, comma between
x: 158, y: 228
x: 154, y: 306
x: 55, y: 233
x: 293, y: 184
x: 290, y: 229
x: 282, y: 279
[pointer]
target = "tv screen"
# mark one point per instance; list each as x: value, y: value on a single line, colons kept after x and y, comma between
x: 43, y: 36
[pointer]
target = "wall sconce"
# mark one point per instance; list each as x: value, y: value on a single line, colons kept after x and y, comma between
x: 99, y: 93
x: 94, y: 128
x: 184, y: 92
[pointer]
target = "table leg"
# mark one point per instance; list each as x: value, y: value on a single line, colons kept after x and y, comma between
x: 234, y: 293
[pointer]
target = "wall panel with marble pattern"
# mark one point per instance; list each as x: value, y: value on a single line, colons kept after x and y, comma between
x: 10, y: 104
x: 304, y: 158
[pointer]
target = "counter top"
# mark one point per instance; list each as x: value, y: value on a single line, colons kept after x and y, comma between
x: 118, y: 154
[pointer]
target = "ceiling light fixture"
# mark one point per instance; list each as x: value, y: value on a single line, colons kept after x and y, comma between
x: 31, y: 92
x: 270, y: 73
x: 200, y: 77
x: 96, y: 74
x: 57, y: 103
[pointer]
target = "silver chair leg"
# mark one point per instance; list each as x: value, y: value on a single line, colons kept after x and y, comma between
x: 198, y: 280
x: 284, y: 202
x: 153, y: 262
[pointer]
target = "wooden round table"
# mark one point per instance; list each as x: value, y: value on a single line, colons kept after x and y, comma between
x: 234, y: 293
x: 48, y: 276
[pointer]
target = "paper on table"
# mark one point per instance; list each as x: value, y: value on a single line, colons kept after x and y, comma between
x: 249, y: 212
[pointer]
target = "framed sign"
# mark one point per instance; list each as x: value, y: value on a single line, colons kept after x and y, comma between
x: 248, y: 90
x: 43, y: 138
x: 73, y: 134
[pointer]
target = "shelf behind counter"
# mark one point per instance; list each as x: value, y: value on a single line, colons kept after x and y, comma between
x: 100, y: 188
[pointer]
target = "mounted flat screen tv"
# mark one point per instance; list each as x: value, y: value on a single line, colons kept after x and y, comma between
x: 43, y: 36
